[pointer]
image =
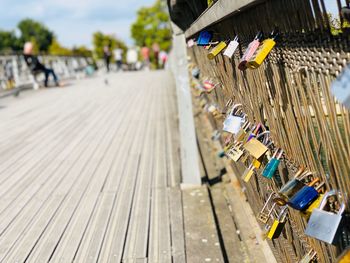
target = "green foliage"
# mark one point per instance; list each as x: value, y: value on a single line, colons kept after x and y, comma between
x: 57, y: 49
x: 152, y: 26
x: 8, y: 42
x: 81, y: 51
x: 334, y: 22
x: 100, y: 40
x: 31, y: 29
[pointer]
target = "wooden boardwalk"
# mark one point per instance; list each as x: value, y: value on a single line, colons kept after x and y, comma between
x: 90, y: 173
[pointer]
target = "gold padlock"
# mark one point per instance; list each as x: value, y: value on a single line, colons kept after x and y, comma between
x: 234, y: 152
x: 216, y: 50
x: 255, y: 147
x: 262, y: 52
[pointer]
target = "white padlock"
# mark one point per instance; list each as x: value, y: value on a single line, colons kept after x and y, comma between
x: 231, y: 48
x: 233, y: 122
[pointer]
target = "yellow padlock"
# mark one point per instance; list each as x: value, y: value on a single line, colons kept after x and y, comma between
x: 307, y: 213
x: 248, y: 173
x: 257, y: 163
x: 278, y: 224
x: 262, y: 52
x: 216, y: 50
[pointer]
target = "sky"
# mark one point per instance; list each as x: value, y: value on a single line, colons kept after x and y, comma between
x: 74, y: 21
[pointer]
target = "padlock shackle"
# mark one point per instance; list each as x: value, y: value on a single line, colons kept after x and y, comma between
x: 325, y: 200
x: 313, y: 182
x: 280, y: 154
x: 283, y: 213
x: 229, y: 103
x: 299, y: 172
x: 234, y: 108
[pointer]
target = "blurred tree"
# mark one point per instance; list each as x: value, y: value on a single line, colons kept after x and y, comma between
x: 81, y: 51
x: 58, y: 50
x: 335, y: 24
x: 100, y: 40
x: 152, y: 26
x: 9, y: 42
x: 31, y: 29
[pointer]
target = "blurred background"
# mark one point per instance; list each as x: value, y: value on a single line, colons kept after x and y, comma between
x: 86, y: 27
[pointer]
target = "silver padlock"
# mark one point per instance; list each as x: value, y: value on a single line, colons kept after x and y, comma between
x: 324, y: 225
x: 340, y: 88
x: 234, y: 120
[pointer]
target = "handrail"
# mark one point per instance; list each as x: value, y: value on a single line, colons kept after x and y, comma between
x: 218, y: 12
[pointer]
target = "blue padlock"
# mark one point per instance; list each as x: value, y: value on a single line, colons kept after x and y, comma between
x: 204, y: 38
x: 305, y: 196
x: 272, y: 165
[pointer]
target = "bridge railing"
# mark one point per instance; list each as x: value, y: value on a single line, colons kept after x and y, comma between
x: 290, y: 94
x: 15, y: 73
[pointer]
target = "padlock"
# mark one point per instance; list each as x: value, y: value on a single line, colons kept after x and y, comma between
x: 289, y: 189
x: 233, y: 121
x: 234, y: 152
x: 256, y: 148
x: 278, y: 224
x: 307, y: 213
x: 204, y: 38
x: 305, y: 196
x: 262, y: 52
x: 231, y: 48
x: 344, y: 256
x: 242, y: 132
x: 308, y: 256
x: 324, y: 225
x: 252, y: 47
x: 272, y: 165
x: 257, y: 162
x: 217, y: 49
x: 265, y: 213
x: 208, y: 85
x: 340, y: 87
x: 248, y: 173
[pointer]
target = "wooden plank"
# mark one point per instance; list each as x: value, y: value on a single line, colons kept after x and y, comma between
x: 95, y: 234
x: 137, y: 237
x: 71, y: 176
x: 96, y: 187
x: 202, y: 243
x: 176, y: 225
x: 44, y: 249
x: 118, y: 229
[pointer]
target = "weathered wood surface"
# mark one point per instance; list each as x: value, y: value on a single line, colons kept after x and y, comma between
x: 90, y: 173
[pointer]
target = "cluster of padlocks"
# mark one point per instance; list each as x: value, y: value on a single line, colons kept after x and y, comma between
x: 255, y: 54
x: 306, y: 193
x: 251, y: 144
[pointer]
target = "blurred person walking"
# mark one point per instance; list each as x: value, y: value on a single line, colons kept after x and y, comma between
x: 145, y: 53
x: 118, y: 56
x: 107, y: 56
x: 35, y: 66
x: 155, y: 48
x: 163, y: 56
x: 131, y: 58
